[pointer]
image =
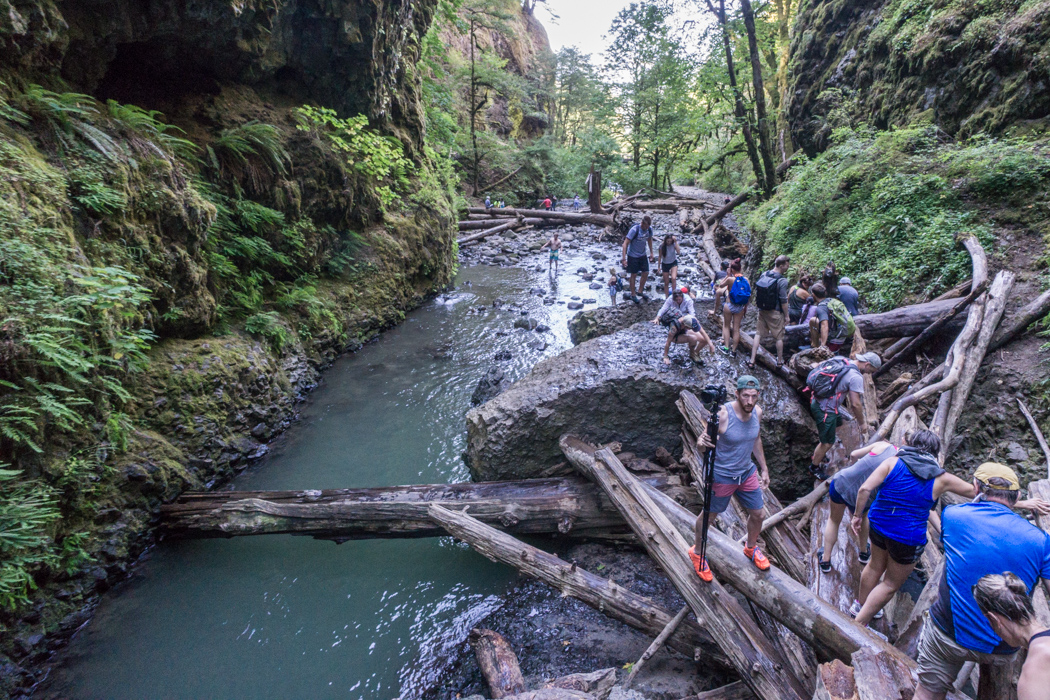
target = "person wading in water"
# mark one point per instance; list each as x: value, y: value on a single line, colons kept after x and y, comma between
x: 739, y: 439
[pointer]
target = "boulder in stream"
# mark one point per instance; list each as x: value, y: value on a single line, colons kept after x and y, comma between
x: 616, y: 388
x: 609, y: 319
x: 489, y: 386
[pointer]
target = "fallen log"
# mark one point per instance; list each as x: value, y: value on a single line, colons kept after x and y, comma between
x: 1018, y: 323
x: 1041, y: 489
x: 593, y: 682
x: 835, y: 682
x: 482, y: 224
x: 551, y: 694
x: 564, y: 506
x: 736, y: 690
x: 803, y: 612
x: 906, y: 320
x: 718, y: 215
x: 498, y: 182
x: 512, y: 224
x: 933, y: 329
x: 908, y: 639
x: 798, y: 507
x: 751, y: 654
x: 601, y: 594
x: 881, y: 676
x: 656, y: 645
x: 1038, y: 433
x: 993, y: 313
x: 894, y: 391
x: 569, y: 217
x: 767, y: 360
x: 498, y: 663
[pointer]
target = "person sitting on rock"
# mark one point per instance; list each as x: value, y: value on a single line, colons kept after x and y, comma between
x: 679, y: 315
x: 554, y: 244
x: 908, y: 487
x: 735, y: 473
x: 980, y: 538
x: 1005, y: 601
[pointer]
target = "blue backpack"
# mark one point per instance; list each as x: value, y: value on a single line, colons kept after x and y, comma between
x: 740, y: 292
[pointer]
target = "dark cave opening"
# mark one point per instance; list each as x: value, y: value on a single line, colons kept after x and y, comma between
x: 156, y: 75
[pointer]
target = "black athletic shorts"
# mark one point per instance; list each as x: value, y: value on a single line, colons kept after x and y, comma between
x: 901, y: 553
x: 667, y: 267
x: 636, y: 265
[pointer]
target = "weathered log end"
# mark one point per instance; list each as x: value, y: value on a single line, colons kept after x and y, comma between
x: 498, y: 663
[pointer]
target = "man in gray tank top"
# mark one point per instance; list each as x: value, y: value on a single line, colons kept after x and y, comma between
x: 842, y: 492
x: 735, y: 474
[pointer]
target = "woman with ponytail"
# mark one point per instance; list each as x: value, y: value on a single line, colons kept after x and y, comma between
x: 1005, y: 601
x: 738, y: 290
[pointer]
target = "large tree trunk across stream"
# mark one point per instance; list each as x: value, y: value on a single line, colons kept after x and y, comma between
x: 568, y: 505
x: 904, y: 321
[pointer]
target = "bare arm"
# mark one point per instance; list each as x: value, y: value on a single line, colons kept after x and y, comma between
x: 864, y: 495
x: 857, y: 403
x: 875, y: 448
x: 949, y: 483
x: 723, y: 425
x: 1035, y: 675
x: 1036, y: 505
x: 625, y: 242
x: 823, y: 333
x: 760, y: 454
x: 650, y: 242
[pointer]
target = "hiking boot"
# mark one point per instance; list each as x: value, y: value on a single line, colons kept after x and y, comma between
x: 636, y: 300
x: 818, y: 471
x: 864, y: 556
x: 755, y: 554
x: 700, y: 566
x: 725, y: 350
x: 825, y: 566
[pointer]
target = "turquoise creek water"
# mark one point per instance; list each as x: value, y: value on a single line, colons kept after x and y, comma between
x: 292, y: 617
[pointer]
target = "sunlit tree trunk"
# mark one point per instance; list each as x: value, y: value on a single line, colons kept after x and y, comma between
x: 764, y: 139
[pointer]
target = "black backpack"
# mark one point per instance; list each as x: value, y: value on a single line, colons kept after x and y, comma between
x: 768, y: 295
x: 825, y: 379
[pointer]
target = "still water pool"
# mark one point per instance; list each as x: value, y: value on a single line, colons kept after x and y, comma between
x: 291, y: 617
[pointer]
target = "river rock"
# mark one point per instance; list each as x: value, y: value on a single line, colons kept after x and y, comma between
x: 594, y: 285
x: 526, y: 323
x: 489, y: 386
x: 609, y: 319
x: 615, y: 388
x: 574, y: 305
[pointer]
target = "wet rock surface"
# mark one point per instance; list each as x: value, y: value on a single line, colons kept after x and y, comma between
x: 616, y: 388
x: 555, y: 636
x: 609, y: 319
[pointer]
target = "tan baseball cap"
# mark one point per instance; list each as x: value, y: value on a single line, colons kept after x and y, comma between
x: 991, y: 470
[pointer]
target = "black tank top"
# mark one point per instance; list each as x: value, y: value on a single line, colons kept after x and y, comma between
x: 1037, y: 635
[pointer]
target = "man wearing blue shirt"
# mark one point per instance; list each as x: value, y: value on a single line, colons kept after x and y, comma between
x: 983, y: 537
x: 635, y: 259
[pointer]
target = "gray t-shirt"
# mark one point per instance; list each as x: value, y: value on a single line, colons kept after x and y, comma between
x: 836, y: 331
x: 853, y: 381
x: 849, y: 480
x: 685, y: 309
x: 636, y: 248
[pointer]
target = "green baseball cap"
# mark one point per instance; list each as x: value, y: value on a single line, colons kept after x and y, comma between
x: 746, y: 381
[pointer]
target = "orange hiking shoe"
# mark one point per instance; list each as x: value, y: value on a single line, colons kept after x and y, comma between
x: 755, y: 554
x: 701, y: 567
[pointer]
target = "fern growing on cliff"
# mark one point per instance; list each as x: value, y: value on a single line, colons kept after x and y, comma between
x: 253, y: 151
x: 27, y: 510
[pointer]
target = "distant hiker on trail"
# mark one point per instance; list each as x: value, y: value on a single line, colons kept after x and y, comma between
x: 1005, y: 601
x: 635, y: 260
x: 827, y: 385
x: 735, y: 474
x: 772, y: 300
x: 554, y: 244
x: 576, y: 202
x: 615, y: 285
x: 798, y: 299
x: 738, y: 289
x: 718, y: 294
x: 547, y: 203
x: 842, y: 492
x: 678, y: 313
x: 849, y: 296
x: 488, y: 203
x: 502, y: 204
x: 908, y: 487
x: 668, y: 255
x: 832, y: 325
x: 830, y: 279
x: 979, y: 538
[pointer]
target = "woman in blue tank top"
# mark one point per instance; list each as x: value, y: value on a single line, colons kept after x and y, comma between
x: 908, y: 488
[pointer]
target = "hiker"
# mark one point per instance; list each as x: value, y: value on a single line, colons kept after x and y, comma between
x: 827, y: 385
x: 908, y: 488
x: 738, y: 290
x: 735, y: 474
x: 1004, y: 600
x: 635, y: 259
x: 554, y: 244
x: 678, y: 314
x: 842, y: 493
x: 799, y: 300
x: 502, y: 204
x: 547, y: 203
x: 831, y: 325
x: 771, y: 297
x: 830, y: 279
x: 488, y: 202
x: 849, y: 296
x: 719, y: 295
x: 668, y: 255
x: 576, y: 202
x: 615, y: 285
x: 980, y: 538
